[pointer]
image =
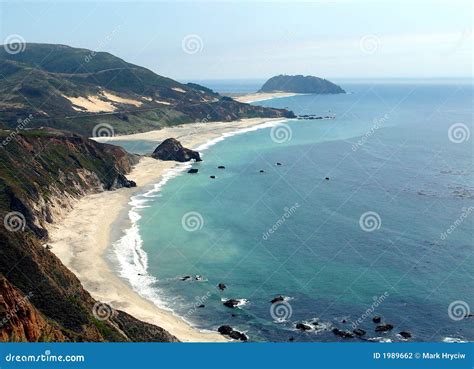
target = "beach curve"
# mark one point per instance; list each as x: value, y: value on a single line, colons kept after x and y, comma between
x: 83, y: 237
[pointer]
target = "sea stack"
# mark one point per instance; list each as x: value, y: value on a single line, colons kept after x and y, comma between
x: 171, y: 149
x: 301, y: 84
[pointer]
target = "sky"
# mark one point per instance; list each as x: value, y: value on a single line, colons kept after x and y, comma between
x: 202, y: 40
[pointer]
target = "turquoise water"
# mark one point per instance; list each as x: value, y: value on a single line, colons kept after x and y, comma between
x: 390, y: 162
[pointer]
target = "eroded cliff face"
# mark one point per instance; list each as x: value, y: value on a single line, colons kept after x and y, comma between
x: 42, y: 173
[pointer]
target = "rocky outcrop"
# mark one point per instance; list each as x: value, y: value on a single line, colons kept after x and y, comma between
x: 171, y: 149
x: 301, y: 84
x: 227, y: 330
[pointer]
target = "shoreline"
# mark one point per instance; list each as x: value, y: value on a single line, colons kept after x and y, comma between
x: 83, y: 238
x: 262, y: 96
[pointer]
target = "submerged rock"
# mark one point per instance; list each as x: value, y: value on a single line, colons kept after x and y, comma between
x: 359, y: 332
x: 343, y: 334
x: 383, y: 328
x: 171, y: 149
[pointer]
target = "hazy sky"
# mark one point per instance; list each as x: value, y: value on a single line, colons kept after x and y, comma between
x: 243, y: 39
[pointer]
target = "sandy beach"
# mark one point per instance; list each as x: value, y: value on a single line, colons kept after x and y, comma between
x: 261, y: 96
x: 81, y: 239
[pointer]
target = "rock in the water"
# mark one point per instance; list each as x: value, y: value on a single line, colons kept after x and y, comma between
x: 201, y: 306
x: 227, y: 330
x: 213, y: 177
x: 236, y: 335
x: 277, y: 299
x: 186, y: 277
x: 343, y: 334
x: 221, y: 286
x: 171, y: 149
x: 405, y: 334
x: 278, y: 163
x: 291, y: 339
x: 327, y: 178
x: 359, y: 332
x: 262, y: 171
x: 376, y: 319
x: 383, y: 328
x: 193, y: 170
x: 302, y: 327
x: 232, y: 303
x: 221, y: 167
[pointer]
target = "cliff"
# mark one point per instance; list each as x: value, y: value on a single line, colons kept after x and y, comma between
x: 42, y: 173
x: 301, y: 84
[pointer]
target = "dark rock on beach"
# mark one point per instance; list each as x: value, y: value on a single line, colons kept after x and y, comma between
x: 227, y: 330
x: 171, y: 149
x: 383, y: 328
x: 193, y: 170
x: 376, y: 319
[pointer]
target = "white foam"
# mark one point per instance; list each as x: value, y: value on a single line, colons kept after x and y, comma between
x: 453, y: 340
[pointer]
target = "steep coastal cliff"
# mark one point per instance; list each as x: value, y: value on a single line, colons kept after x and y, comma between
x: 43, y: 172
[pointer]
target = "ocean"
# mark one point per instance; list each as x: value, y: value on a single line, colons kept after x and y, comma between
x: 370, y: 213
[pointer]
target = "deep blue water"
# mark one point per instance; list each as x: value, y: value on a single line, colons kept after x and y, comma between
x: 387, y: 155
